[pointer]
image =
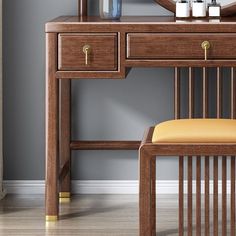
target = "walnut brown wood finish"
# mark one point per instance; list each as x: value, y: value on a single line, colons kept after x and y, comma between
x: 102, y: 55
x: 220, y: 33
x: 233, y: 116
x: 186, y: 46
x: 154, y: 149
x: 64, y: 134
x: 190, y: 159
x: 177, y: 110
x: 105, y: 145
x: 52, y: 162
x: 207, y: 167
x: 82, y: 8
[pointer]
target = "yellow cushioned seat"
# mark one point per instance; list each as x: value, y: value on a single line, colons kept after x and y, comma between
x: 195, y: 131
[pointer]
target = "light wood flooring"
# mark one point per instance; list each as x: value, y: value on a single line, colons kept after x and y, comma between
x: 85, y: 215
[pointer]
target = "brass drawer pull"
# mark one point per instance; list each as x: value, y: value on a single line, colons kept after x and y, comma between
x: 87, y: 50
x: 205, y: 46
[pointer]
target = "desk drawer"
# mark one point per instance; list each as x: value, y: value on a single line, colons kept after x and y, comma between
x: 102, y: 52
x: 180, y: 46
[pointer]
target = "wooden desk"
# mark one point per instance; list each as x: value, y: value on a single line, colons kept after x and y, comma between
x: 114, y: 48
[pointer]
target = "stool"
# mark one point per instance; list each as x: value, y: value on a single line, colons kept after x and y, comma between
x: 188, y: 137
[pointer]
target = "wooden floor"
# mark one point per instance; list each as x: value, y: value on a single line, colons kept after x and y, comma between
x: 85, y: 215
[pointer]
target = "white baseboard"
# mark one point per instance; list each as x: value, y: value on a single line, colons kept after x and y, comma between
x: 101, y: 186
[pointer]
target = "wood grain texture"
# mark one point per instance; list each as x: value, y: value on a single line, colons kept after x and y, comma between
x: 207, y: 198
x: 153, y: 192
x: 64, y: 133
x: 219, y: 88
x: 82, y: 8
x: 233, y: 93
x: 190, y: 149
x: 205, y: 105
x: 181, y: 196
x: 215, y: 196
x: 232, y: 211
x: 105, y: 145
x: 198, y: 196
x: 205, y: 98
x: 224, y: 195
x: 177, y: 98
x: 232, y: 170
x: 190, y: 159
x: 103, y: 55
x: 190, y: 197
x: 177, y: 111
x: 147, y: 228
x: 52, y: 163
x: 143, y: 45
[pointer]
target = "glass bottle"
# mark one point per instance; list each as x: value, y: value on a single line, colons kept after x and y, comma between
x: 110, y: 9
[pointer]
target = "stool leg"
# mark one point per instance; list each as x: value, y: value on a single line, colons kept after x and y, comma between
x: 64, y: 139
x: 153, y: 192
x: 146, y: 203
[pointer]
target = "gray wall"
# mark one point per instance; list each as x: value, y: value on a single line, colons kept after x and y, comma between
x: 101, y: 109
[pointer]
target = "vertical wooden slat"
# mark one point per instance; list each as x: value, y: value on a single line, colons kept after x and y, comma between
x: 177, y: 93
x: 181, y: 158
x: 219, y: 85
x: 190, y: 115
x: 232, y: 213
x: 233, y: 94
x: 224, y: 196
x: 181, y: 196
x: 215, y: 196
x: 207, y: 199
x: 218, y: 114
x: 190, y: 204
x: 204, y: 93
x: 190, y: 94
x: 218, y: 93
x: 153, y: 193
x: 198, y: 197
x: 198, y: 173
x: 207, y: 167
x: 233, y: 116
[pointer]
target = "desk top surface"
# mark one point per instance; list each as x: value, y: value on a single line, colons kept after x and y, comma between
x: 141, y: 23
x: 141, y: 19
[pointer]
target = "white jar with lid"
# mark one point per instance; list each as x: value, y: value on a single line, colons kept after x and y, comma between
x: 182, y: 9
x: 199, y: 8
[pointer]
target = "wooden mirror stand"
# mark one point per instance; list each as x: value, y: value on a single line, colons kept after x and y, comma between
x: 82, y: 7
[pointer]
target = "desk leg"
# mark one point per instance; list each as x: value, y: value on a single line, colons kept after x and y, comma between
x: 51, y: 198
x: 64, y: 139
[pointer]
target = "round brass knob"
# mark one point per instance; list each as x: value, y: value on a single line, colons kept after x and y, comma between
x: 206, y: 45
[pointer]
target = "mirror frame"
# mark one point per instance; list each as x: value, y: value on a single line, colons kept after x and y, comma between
x: 227, y: 10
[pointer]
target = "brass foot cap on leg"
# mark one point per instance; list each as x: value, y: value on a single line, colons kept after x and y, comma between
x: 51, y: 218
x: 64, y: 195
